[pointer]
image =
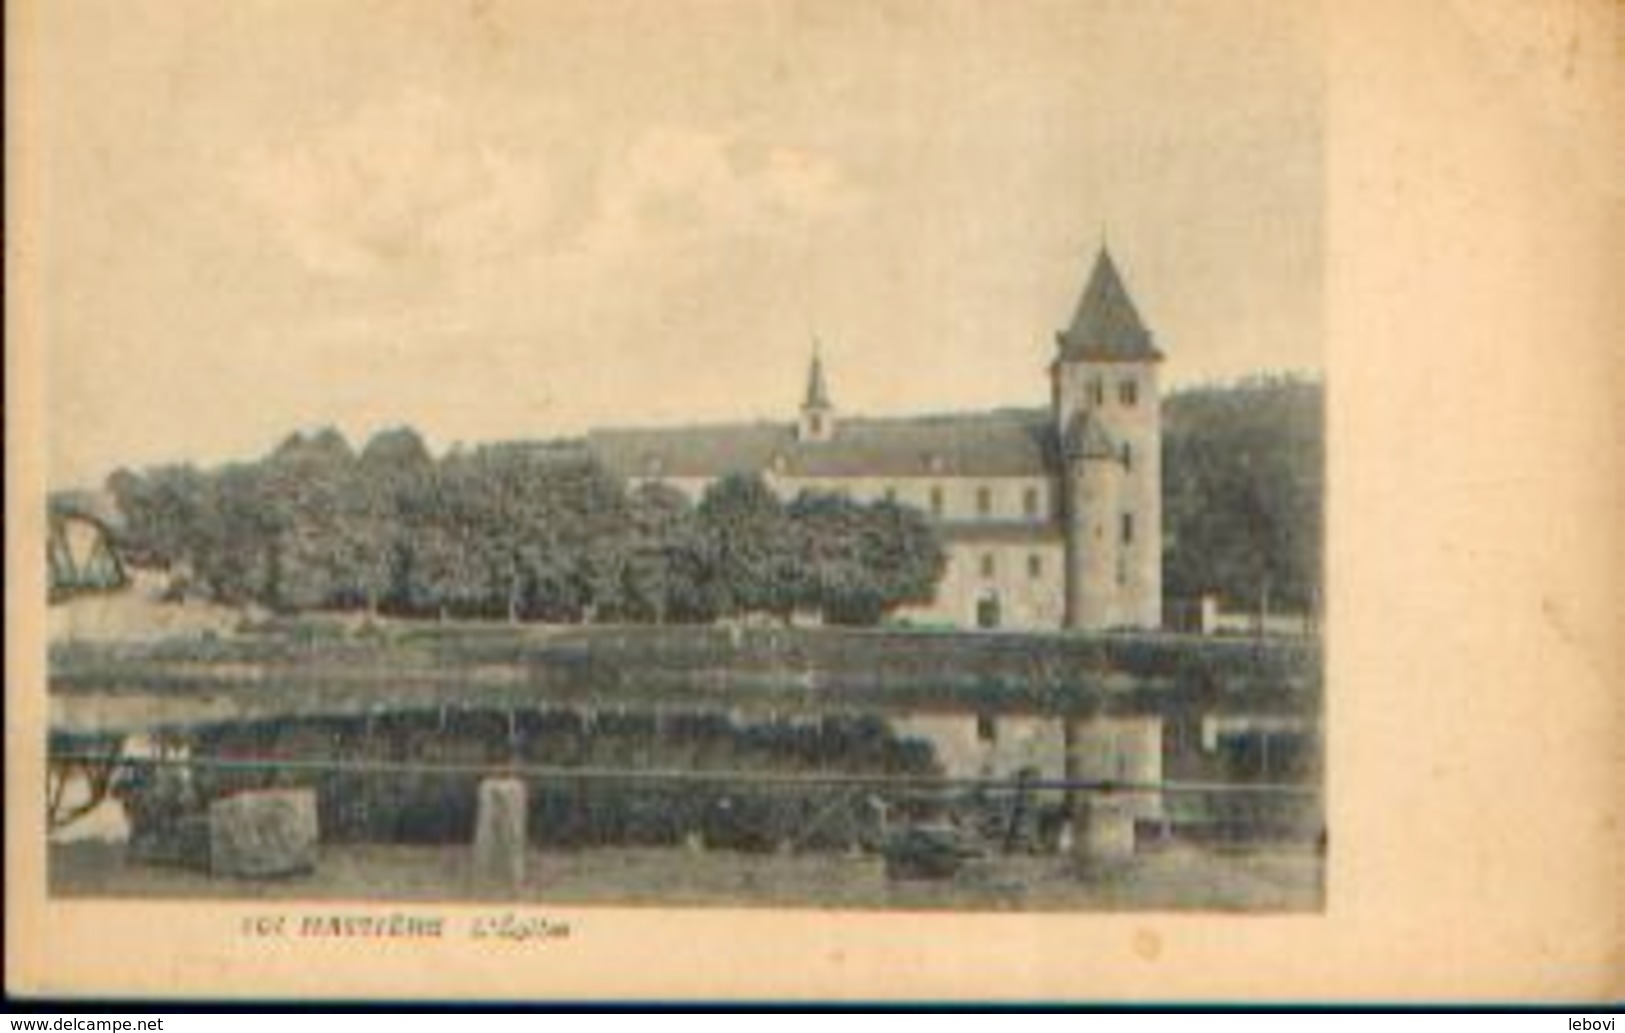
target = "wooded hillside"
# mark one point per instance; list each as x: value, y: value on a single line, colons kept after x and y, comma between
x: 1243, y: 488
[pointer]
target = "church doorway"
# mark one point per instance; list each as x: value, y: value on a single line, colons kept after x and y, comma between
x: 987, y: 611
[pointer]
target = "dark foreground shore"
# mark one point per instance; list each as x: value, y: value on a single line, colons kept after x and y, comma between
x: 1180, y: 878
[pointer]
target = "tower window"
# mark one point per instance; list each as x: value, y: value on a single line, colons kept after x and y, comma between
x: 987, y: 564
x: 1128, y: 392
x: 1128, y: 456
x: 815, y: 423
x: 1128, y: 528
x: 936, y: 501
x: 984, y: 501
x: 1029, y: 502
x: 1035, y: 566
x: 987, y: 728
x: 891, y: 493
x: 1097, y: 392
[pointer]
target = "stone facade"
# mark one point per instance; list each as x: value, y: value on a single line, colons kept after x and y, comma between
x: 1052, y: 517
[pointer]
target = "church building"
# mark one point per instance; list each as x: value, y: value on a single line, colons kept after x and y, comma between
x: 1051, y: 516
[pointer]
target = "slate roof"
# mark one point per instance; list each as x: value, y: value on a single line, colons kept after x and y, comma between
x: 1001, y: 443
x: 1106, y: 325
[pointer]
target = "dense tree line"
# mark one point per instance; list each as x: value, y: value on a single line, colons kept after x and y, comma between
x: 539, y: 534
x: 1242, y: 493
x: 441, y: 808
x: 516, y: 533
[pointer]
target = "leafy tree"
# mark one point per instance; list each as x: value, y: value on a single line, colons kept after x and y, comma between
x: 164, y: 512
x: 516, y: 533
x: 904, y: 555
x: 672, y: 573
x: 590, y: 517
x: 237, y: 551
x: 659, y: 517
x: 307, y: 486
x: 750, y: 546
x: 828, y: 575
x: 434, y: 571
x: 1242, y: 491
x: 857, y: 562
x: 392, y: 470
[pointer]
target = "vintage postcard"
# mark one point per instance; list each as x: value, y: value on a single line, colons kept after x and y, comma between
x: 770, y: 498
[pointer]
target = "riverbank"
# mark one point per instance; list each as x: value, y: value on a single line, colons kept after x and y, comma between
x: 1183, y: 878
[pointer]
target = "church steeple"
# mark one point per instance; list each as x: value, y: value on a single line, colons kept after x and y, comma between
x: 817, y: 390
x: 1109, y: 424
x: 1106, y: 326
x: 817, y: 411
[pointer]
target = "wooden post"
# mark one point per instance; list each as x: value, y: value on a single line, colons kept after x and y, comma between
x: 1070, y: 768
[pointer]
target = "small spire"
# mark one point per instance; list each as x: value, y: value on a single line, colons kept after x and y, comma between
x: 817, y: 411
x: 817, y: 389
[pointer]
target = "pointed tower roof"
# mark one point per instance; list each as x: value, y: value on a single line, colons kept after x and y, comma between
x: 1106, y: 325
x: 817, y: 389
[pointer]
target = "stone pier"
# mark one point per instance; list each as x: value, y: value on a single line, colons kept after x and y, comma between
x: 262, y: 834
x: 500, y: 834
x: 1126, y: 750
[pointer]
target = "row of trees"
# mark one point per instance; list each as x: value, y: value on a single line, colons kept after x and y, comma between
x: 520, y: 533
x: 537, y: 534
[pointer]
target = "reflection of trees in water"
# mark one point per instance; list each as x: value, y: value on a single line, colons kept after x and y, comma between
x: 425, y: 806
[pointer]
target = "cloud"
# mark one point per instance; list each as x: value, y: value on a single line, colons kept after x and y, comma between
x: 692, y: 186
x: 413, y: 184
x: 403, y: 182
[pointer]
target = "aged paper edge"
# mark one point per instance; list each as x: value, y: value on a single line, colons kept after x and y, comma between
x: 1473, y: 663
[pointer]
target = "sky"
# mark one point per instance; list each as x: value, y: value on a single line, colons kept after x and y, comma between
x: 498, y: 219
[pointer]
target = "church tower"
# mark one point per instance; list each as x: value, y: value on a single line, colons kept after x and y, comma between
x: 817, y: 411
x: 1109, y: 421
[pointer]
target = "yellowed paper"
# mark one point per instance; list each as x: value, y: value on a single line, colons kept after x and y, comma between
x: 383, y: 179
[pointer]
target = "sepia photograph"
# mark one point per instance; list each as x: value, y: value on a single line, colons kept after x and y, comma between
x: 873, y: 463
